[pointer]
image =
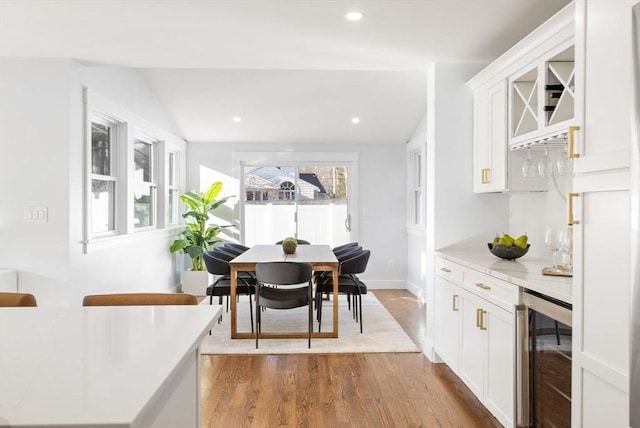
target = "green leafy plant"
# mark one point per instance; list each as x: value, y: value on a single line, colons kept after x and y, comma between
x: 198, y: 236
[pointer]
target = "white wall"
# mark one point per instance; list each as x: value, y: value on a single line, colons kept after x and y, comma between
x: 142, y: 263
x: 34, y: 171
x: 41, y: 165
x: 381, y: 196
x: 454, y: 212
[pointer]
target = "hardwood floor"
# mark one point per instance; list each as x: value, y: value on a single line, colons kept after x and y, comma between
x: 340, y: 390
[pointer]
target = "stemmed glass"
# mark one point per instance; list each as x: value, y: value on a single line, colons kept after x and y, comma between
x: 566, y: 245
x: 545, y: 166
x: 565, y: 163
x: 552, y: 240
x: 527, y: 166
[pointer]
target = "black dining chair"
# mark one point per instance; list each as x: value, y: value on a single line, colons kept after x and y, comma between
x: 348, y: 283
x: 283, y: 285
x: 342, y: 254
x: 239, y: 247
x: 221, y: 286
x: 339, y: 248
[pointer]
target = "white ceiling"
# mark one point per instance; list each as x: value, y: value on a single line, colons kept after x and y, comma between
x: 296, y: 71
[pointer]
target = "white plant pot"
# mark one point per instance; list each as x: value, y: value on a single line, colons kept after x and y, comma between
x: 195, y: 282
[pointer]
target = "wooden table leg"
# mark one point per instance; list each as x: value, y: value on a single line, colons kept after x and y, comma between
x: 234, y: 284
x: 335, y: 302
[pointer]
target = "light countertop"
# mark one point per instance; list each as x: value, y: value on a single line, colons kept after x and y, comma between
x: 86, y: 366
x: 524, y: 272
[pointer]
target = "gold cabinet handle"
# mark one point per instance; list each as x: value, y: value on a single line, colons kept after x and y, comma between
x: 478, y: 316
x: 481, y: 316
x: 485, y: 175
x: 483, y: 286
x: 445, y: 270
x: 571, y: 142
x: 455, y: 303
x: 571, y: 220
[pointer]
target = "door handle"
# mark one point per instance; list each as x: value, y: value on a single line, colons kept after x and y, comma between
x: 455, y: 303
x: 571, y: 147
x: 347, y: 223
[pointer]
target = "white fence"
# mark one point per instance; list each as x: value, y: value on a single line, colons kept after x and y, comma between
x: 318, y: 224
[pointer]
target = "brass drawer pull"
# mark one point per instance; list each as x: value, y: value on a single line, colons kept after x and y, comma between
x: 483, y: 286
x: 481, y: 314
x: 445, y: 270
x: 455, y: 303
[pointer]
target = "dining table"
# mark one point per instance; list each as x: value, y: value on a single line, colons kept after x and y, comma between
x: 320, y: 257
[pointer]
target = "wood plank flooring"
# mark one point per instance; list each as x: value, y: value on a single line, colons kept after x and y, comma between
x: 340, y: 390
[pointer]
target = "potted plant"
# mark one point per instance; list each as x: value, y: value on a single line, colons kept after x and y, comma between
x: 199, y: 236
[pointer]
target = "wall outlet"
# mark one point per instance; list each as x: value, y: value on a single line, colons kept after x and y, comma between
x: 391, y: 264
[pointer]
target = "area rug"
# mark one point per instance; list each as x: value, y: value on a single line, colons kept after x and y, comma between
x: 381, y: 332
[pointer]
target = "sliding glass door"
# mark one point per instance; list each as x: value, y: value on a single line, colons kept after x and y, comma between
x: 308, y: 202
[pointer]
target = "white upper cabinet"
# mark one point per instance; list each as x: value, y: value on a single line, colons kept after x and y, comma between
x: 542, y: 103
x: 603, y: 51
x: 490, y: 139
x: 537, y: 82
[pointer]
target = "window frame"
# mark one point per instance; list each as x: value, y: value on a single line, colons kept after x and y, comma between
x: 116, y: 176
x: 416, y: 211
x: 129, y: 128
x: 152, y: 185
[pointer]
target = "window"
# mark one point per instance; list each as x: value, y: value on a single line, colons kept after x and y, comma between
x: 133, y: 175
x: 415, y: 184
x: 144, y: 179
x: 417, y: 190
x: 172, y: 196
x: 287, y: 191
x: 103, y: 175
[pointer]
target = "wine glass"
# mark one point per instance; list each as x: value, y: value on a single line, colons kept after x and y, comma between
x: 565, y: 163
x: 545, y: 166
x: 552, y: 240
x: 528, y: 169
x: 566, y: 245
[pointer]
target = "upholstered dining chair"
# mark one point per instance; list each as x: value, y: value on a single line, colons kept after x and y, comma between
x: 240, y: 247
x: 17, y: 300
x: 219, y: 267
x: 283, y: 285
x: 348, y: 283
x: 139, y: 299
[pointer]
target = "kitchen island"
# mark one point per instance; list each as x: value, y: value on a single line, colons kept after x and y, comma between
x: 125, y: 366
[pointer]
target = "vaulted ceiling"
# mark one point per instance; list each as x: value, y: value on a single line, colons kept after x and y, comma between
x: 294, y: 71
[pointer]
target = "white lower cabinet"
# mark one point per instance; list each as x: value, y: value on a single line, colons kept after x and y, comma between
x: 447, y: 334
x: 476, y: 338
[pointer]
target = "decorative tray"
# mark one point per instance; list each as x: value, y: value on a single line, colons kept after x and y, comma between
x: 556, y: 272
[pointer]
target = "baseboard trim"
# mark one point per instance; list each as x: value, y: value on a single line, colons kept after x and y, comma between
x: 378, y: 284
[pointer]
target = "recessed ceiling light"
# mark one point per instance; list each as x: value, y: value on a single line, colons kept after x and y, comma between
x: 237, y: 119
x: 354, y: 16
x: 355, y: 120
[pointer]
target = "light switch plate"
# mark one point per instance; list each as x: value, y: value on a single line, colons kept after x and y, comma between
x: 36, y: 214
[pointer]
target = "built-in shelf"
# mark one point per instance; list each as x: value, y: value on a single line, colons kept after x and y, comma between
x: 524, y: 105
x: 559, y: 91
x: 550, y: 141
